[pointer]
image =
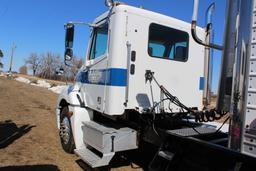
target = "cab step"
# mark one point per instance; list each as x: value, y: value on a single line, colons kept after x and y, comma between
x: 101, y: 143
x: 93, y: 159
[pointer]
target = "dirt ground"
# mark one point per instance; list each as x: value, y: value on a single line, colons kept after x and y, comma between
x: 28, y: 134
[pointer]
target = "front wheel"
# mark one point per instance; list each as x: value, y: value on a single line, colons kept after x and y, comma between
x: 66, y: 136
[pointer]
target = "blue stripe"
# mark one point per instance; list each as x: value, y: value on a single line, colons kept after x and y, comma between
x: 201, y: 83
x: 110, y: 77
x: 117, y: 77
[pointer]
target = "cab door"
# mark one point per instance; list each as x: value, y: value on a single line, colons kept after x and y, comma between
x: 95, y: 75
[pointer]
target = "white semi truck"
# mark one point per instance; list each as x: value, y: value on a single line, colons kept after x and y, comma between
x: 147, y: 77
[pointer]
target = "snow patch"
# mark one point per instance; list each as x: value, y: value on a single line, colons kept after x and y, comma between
x: 57, y: 89
x: 43, y: 83
x: 23, y: 80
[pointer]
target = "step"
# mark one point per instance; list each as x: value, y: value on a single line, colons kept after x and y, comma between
x: 249, y: 149
x: 253, y: 59
x: 187, y: 132
x: 93, y: 159
x: 166, y: 155
x: 251, y: 90
x: 251, y: 107
x: 250, y: 143
x: 252, y: 74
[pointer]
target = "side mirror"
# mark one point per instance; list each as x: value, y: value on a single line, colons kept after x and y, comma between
x: 69, y: 35
x: 68, y: 54
x: 1, y: 53
x: 69, y: 41
x: 59, y: 71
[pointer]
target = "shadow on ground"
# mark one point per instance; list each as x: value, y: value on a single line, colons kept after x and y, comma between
x: 9, y: 132
x: 30, y: 168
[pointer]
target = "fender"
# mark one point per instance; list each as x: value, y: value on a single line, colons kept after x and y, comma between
x: 80, y: 113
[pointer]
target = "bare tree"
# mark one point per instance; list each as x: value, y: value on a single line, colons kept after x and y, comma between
x: 47, y: 65
x: 75, y: 66
x: 70, y: 71
x: 47, y: 68
x: 33, y: 61
x: 23, y: 70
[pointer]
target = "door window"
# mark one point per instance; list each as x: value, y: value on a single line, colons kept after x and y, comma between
x: 168, y: 43
x: 100, y: 42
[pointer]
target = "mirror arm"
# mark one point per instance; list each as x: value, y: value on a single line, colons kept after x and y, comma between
x: 65, y: 62
x: 80, y: 23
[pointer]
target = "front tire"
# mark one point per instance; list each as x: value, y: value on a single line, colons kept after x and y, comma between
x: 66, y: 135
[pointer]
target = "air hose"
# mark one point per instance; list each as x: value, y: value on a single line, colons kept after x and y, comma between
x: 200, y: 116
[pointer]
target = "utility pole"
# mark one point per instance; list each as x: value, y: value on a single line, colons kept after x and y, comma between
x: 12, y: 52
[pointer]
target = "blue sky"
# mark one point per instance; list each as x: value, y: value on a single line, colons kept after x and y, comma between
x: 37, y: 25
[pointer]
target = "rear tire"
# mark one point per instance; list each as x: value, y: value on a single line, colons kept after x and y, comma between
x: 66, y: 135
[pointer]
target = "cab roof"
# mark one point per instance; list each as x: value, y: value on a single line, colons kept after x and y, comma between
x: 154, y: 16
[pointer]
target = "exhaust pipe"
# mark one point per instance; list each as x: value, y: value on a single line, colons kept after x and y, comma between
x: 208, y: 65
x: 208, y: 45
x: 193, y: 29
x: 195, y: 10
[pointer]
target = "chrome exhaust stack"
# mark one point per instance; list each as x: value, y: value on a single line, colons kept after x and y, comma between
x: 208, y: 62
x: 193, y: 29
x: 208, y: 45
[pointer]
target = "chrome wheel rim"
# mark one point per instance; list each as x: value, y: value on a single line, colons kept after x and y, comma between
x: 65, y: 130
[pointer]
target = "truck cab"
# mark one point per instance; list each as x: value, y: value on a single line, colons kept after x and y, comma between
x: 146, y: 78
x: 125, y: 45
x: 126, y: 42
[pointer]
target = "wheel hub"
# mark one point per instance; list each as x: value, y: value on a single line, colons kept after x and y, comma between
x: 65, y: 130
